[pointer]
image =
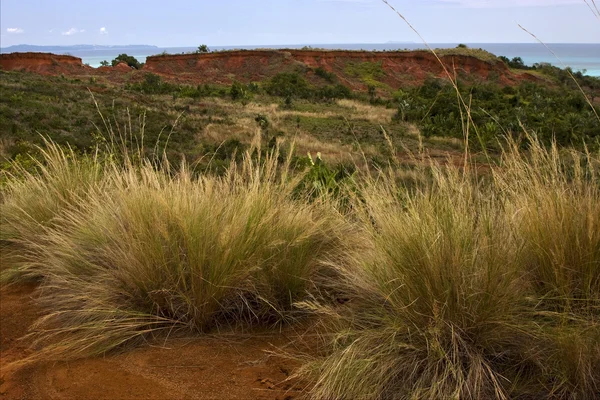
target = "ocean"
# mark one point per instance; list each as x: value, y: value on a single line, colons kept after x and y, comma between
x: 580, y: 57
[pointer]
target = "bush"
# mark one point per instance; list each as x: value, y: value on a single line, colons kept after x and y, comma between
x: 337, y: 91
x: 239, y: 91
x: 288, y: 84
x: 323, y: 73
x: 516, y: 62
x: 153, y: 84
x: 129, y: 60
x: 292, y: 85
x: 203, y: 49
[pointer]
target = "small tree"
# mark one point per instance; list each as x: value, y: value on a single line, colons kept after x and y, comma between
x: 203, y: 49
x: 372, y: 93
x: 238, y: 91
x: 462, y: 46
x: 517, y: 62
x: 104, y: 63
x: 129, y: 60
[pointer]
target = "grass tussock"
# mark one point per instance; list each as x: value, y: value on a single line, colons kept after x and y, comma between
x: 152, y: 251
x: 454, y: 285
x: 476, y: 288
x: 34, y: 195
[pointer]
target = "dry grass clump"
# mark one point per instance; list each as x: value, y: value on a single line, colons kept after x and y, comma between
x: 553, y: 202
x: 473, y: 290
x: 33, y: 200
x: 153, y: 251
x: 371, y: 113
x: 438, y: 308
x: 453, y: 285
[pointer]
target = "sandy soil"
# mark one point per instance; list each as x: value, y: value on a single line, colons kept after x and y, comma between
x: 231, y: 366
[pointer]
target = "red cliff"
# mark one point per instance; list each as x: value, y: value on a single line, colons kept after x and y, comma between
x: 354, y: 68
x: 43, y: 63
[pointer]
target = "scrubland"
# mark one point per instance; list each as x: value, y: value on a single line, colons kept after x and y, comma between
x: 436, y: 250
x: 460, y: 284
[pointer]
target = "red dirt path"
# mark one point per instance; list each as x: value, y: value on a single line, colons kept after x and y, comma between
x: 225, y: 367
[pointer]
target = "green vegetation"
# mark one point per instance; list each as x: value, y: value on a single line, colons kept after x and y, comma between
x: 293, y: 85
x: 369, y: 72
x: 458, y: 285
x: 156, y: 208
x: 552, y: 113
x: 129, y: 60
x: 203, y: 49
x: 516, y: 62
x: 328, y: 76
x: 481, y: 54
x: 186, y: 121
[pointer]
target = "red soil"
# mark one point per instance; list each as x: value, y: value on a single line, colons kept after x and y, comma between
x: 120, y: 67
x: 42, y: 63
x: 224, y: 367
x: 399, y: 68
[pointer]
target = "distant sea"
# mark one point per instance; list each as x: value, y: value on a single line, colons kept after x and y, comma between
x: 579, y: 57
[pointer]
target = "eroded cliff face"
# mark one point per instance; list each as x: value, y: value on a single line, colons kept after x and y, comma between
x: 356, y: 69
x: 42, y: 63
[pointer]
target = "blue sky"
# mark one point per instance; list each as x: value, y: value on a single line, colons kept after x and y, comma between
x: 245, y: 22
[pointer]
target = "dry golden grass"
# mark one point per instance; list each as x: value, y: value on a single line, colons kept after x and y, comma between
x: 474, y: 288
x: 332, y: 152
x: 127, y: 251
x: 457, y: 285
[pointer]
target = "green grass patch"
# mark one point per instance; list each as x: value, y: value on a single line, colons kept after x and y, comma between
x: 369, y: 72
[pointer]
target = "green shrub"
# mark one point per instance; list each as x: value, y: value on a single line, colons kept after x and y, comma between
x: 239, y: 91
x: 288, y: 84
x: 203, y: 49
x: 129, y: 60
x: 326, y: 75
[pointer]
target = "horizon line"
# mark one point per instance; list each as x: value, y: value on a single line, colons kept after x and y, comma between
x: 290, y: 44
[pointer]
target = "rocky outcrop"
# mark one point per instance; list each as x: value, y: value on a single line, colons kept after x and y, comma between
x: 43, y: 63
x: 357, y: 69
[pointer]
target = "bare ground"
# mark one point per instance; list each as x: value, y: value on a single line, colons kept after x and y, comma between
x: 231, y: 366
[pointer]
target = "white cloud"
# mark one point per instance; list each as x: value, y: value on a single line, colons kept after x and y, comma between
x: 103, y: 31
x: 73, y: 31
x: 509, y: 3
x: 14, y: 30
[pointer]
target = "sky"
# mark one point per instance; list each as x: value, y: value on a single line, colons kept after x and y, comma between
x: 273, y: 22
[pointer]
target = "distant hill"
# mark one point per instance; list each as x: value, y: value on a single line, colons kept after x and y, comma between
x: 23, y: 48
